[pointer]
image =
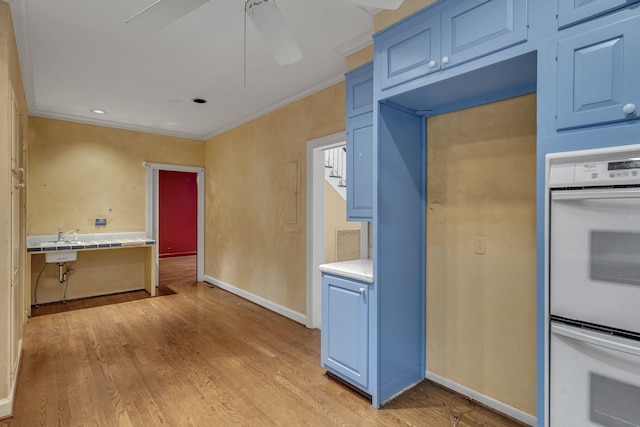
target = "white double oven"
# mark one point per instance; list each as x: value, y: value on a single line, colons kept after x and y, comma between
x: 594, y: 288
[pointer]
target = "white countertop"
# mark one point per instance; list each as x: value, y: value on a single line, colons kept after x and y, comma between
x: 358, y: 269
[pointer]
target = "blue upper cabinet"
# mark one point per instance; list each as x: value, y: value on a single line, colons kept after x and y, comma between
x: 446, y: 35
x: 476, y: 28
x: 360, y: 168
x: 410, y: 53
x: 598, y: 75
x: 359, y: 83
x: 574, y: 11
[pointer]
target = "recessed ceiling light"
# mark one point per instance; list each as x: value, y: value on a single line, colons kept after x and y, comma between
x: 199, y: 101
x: 97, y: 111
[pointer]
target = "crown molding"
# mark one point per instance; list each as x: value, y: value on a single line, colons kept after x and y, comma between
x: 116, y: 125
x: 286, y: 101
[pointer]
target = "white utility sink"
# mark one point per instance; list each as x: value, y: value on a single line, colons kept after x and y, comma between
x: 59, y: 256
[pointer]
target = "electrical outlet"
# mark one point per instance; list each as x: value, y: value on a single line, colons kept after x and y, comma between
x: 479, y: 245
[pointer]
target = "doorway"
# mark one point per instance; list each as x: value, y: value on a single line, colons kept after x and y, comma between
x: 316, y: 223
x: 177, y: 214
x: 153, y: 209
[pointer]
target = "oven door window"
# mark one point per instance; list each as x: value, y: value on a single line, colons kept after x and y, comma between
x: 613, y: 403
x: 615, y: 257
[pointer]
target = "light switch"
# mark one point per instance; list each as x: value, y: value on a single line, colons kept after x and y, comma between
x: 479, y: 245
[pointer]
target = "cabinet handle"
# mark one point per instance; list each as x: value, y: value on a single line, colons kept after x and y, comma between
x: 445, y: 60
x: 629, y: 108
x: 432, y: 63
x: 363, y: 293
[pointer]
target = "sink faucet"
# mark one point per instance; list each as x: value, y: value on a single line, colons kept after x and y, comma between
x: 62, y: 235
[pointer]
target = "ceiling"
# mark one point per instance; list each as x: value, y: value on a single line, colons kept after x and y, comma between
x: 79, y: 55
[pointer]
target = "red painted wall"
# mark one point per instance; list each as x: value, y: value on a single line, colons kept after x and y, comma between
x: 178, y: 208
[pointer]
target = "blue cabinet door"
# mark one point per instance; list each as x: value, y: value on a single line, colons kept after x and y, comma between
x: 359, y: 85
x: 360, y: 168
x: 444, y: 35
x: 476, y: 28
x: 345, y: 329
x: 598, y: 75
x: 409, y: 51
x: 571, y: 12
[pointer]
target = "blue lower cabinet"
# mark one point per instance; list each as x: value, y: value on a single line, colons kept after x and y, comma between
x: 345, y: 329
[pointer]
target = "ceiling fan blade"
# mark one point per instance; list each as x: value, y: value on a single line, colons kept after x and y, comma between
x: 381, y: 4
x: 271, y: 25
x: 162, y: 13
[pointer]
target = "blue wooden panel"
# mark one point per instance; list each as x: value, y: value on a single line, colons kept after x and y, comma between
x: 407, y: 52
x: 574, y: 11
x: 399, y: 230
x: 359, y: 86
x: 476, y: 28
x: 597, y: 75
x: 491, y: 83
x: 345, y: 328
x: 360, y: 168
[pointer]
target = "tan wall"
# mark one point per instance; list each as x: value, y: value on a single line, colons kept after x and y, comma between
x: 481, y: 308
x: 78, y: 172
x: 359, y: 58
x: 335, y: 218
x: 251, y: 240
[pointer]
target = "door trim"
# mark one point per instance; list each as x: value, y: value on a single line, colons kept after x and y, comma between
x: 315, y: 222
x: 153, y: 196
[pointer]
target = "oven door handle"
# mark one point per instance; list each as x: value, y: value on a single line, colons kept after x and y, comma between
x: 590, y: 337
x: 613, y: 193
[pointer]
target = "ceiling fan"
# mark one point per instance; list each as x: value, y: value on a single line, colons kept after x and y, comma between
x: 264, y: 14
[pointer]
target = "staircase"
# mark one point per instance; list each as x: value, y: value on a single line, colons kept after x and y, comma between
x: 335, y: 163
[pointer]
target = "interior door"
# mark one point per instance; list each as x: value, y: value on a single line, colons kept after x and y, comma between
x: 15, y: 318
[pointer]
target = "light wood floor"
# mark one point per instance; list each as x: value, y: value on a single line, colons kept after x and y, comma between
x: 200, y: 356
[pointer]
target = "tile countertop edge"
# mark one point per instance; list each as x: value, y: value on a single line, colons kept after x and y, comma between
x: 359, y: 269
x: 90, y: 241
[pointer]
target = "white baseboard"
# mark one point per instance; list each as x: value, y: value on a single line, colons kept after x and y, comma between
x: 485, y: 400
x: 6, y: 404
x: 286, y: 312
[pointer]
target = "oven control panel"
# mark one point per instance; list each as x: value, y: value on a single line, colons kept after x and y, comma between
x: 615, y: 172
